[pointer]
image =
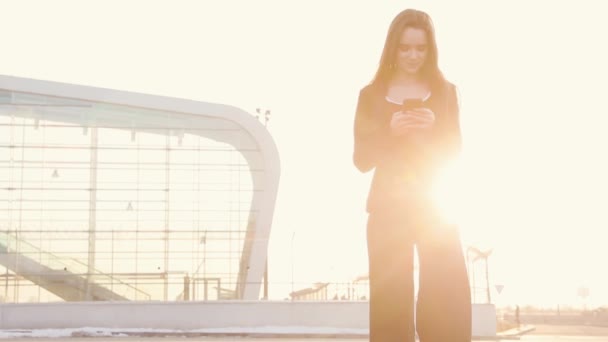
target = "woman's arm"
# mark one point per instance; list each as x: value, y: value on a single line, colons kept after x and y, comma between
x: 369, y: 133
x: 450, y: 139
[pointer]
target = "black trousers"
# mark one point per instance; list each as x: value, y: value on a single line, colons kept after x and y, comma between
x: 442, y: 311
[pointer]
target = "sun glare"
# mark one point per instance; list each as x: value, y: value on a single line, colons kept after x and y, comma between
x: 447, y: 193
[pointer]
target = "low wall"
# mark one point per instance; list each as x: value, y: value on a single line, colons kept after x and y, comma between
x: 206, y: 315
x: 560, y: 319
x: 484, y: 320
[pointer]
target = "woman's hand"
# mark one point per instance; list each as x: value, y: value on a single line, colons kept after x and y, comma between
x: 411, y: 120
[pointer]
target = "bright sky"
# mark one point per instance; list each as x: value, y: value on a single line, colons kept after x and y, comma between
x: 531, y: 77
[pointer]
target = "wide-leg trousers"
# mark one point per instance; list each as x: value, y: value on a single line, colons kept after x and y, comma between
x: 442, y: 311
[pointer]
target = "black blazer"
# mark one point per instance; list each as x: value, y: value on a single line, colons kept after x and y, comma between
x: 402, y: 163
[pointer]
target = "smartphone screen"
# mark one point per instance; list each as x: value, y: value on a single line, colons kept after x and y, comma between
x: 412, y: 103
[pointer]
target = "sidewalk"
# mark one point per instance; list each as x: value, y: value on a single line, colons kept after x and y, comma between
x: 261, y: 332
x: 515, y: 333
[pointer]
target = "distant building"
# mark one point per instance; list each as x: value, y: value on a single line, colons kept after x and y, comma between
x: 113, y: 195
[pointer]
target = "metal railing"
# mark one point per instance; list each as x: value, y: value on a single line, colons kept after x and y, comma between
x: 73, y: 266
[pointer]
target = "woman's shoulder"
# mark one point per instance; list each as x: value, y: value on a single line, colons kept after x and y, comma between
x: 449, y: 86
x: 446, y: 90
x: 452, y: 91
x: 371, y: 90
x: 451, y: 95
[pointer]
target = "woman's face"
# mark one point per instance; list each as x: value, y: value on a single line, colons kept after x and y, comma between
x: 412, y: 50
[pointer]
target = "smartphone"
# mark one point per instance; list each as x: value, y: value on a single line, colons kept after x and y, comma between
x: 412, y: 103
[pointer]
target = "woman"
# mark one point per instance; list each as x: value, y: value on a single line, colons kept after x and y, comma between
x: 407, y: 128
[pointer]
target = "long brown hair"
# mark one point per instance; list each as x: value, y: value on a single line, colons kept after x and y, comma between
x: 430, y: 70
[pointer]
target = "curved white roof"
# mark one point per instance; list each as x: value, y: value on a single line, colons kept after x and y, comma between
x: 122, y: 109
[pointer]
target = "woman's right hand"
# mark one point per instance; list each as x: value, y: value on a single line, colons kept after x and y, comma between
x: 409, y: 121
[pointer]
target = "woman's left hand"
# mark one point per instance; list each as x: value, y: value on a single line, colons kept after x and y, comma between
x: 425, y: 117
x: 412, y: 121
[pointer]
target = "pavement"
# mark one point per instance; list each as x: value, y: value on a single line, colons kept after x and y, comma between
x: 570, y: 330
x: 525, y: 333
x: 514, y: 333
x: 530, y: 338
x: 142, y: 334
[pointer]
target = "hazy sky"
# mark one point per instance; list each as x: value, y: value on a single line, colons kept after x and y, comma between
x: 531, y: 77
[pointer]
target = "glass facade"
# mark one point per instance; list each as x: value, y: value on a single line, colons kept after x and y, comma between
x: 100, y: 201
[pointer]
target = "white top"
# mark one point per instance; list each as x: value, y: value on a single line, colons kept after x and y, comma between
x: 397, y: 102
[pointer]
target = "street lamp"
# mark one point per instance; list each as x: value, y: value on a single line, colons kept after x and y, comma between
x: 266, y: 115
x: 479, y: 255
x: 293, y: 235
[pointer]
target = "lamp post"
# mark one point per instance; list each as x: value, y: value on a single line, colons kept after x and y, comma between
x: 583, y: 292
x: 203, y: 263
x: 293, y: 235
x: 266, y: 114
x: 479, y: 255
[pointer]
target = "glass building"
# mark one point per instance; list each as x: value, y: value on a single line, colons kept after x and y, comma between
x: 112, y: 195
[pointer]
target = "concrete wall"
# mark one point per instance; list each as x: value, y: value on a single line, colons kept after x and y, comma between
x: 204, y: 315
x: 484, y: 320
